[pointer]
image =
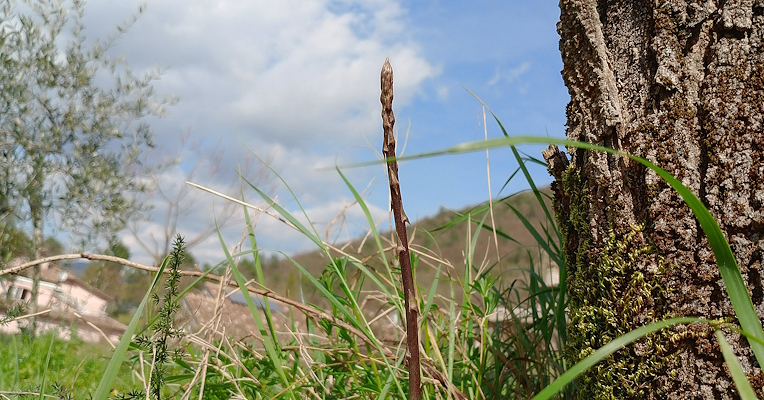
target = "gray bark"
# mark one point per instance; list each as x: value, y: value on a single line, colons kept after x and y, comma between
x: 680, y: 83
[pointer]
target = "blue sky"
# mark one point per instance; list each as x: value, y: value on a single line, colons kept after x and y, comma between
x: 298, y: 82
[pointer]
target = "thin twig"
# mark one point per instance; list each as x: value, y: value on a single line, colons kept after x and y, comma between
x: 98, y: 330
x: 30, y: 315
x: 490, y: 197
x: 404, y: 257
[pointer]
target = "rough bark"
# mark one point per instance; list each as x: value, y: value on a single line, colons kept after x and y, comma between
x: 680, y: 83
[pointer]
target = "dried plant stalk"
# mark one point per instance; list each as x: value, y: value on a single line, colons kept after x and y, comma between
x: 409, y: 289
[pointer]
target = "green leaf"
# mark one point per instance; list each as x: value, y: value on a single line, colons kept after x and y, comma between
x: 271, y: 345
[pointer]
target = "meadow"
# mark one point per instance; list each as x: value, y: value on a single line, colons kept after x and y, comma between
x: 474, y: 342
x: 472, y: 347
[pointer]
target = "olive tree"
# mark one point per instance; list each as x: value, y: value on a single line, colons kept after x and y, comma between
x: 72, y: 123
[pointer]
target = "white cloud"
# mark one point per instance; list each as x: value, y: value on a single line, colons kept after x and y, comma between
x: 495, y: 78
x: 515, y: 73
x: 511, y: 75
x: 350, y: 224
x: 443, y: 92
x: 297, y: 81
x: 323, y: 194
x: 291, y: 72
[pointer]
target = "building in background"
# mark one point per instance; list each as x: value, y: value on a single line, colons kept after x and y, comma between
x: 70, y: 305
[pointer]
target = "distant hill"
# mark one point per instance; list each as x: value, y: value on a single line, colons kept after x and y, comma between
x: 449, y: 244
x: 77, y: 267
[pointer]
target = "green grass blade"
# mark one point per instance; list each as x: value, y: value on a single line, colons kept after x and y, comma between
x: 511, y: 176
x: 738, y: 376
x: 188, y: 289
x: 610, y: 348
x: 16, y: 381
x: 461, y: 217
x: 258, y: 266
x: 500, y: 233
x: 366, y: 212
x: 742, y: 332
x: 536, y: 235
x: 384, y: 289
x: 451, y: 334
x: 532, y: 159
x: 274, y: 354
x: 532, y: 184
x: 521, y: 163
x: 294, y: 196
x: 289, y: 217
x: 386, y: 388
x: 381, y: 249
x: 351, y: 317
x: 104, y: 386
x: 313, y: 236
x: 551, y: 242
x: 45, y: 366
x: 431, y: 294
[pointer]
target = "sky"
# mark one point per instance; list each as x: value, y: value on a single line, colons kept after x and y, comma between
x: 297, y: 83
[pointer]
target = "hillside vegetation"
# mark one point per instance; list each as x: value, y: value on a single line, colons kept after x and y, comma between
x: 441, y: 239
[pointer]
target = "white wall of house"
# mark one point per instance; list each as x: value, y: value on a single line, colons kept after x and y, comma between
x: 64, y: 332
x: 66, y: 296
x: 20, y: 288
x: 87, y: 301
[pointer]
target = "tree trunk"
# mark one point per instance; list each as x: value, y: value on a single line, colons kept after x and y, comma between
x: 680, y: 83
x: 36, y: 214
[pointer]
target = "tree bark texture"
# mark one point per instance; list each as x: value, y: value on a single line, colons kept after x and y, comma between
x: 680, y: 83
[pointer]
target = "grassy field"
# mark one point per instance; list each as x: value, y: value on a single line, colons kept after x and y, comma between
x: 489, y: 329
x: 62, y: 368
x: 339, y: 349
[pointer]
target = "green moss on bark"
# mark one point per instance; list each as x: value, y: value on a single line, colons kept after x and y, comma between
x: 611, y: 296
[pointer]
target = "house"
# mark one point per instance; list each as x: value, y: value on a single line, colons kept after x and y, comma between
x: 73, y: 305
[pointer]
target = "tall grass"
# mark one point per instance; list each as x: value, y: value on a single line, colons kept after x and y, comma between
x: 491, y: 338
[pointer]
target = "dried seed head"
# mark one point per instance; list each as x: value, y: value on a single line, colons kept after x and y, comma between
x: 388, y: 118
x: 387, y: 84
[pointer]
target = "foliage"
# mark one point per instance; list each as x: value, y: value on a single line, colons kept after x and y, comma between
x: 69, y: 151
x: 70, y: 144
x: 156, y: 338
x: 15, y: 242
x: 107, y: 276
x: 12, y: 312
x: 270, y: 264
